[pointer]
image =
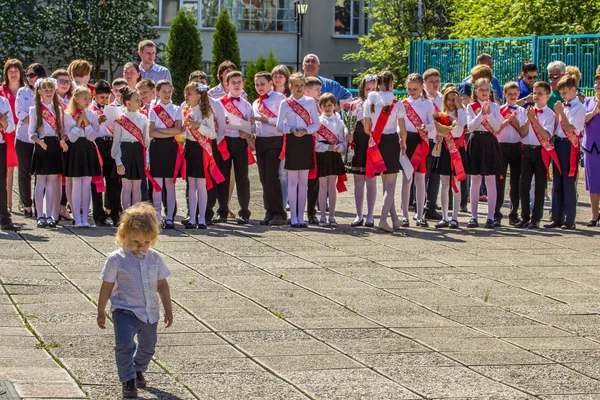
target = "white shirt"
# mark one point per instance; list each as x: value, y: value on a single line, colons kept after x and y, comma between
x: 46, y: 130
x: 424, y: 108
x: 244, y: 107
x: 173, y: 110
x: 546, y: 118
x: 24, y: 103
x: 272, y: 103
x: 207, y: 125
x: 576, y: 116
x: 219, y: 119
x: 335, y: 125
x: 437, y: 101
x: 103, y: 129
x: 75, y: 132
x: 5, y: 107
x: 122, y: 135
x: 391, y: 127
x: 288, y: 119
x: 219, y: 91
x: 461, y: 120
x: 474, y: 120
x: 510, y: 134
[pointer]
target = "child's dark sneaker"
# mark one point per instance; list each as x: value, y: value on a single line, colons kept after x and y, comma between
x: 140, y: 381
x: 129, y: 390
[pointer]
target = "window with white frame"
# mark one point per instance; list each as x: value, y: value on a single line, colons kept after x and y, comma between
x: 347, y: 17
x: 247, y: 15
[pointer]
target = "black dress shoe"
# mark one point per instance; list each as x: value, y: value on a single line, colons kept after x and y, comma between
x: 169, y: 224
x: 295, y: 225
x: 569, y: 227
x: 593, y: 222
x: 422, y: 223
x: 129, y: 390
x: 243, y: 221
x: 303, y: 225
x: 473, y: 223
x: 10, y: 227
x: 220, y: 219
x: 185, y: 221
x: 103, y: 223
x: 489, y: 224
x: 201, y: 226
x: 513, y: 220
x: 313, y: 220
x: 442, y: 224
x: 27, y: 213
x: 433, y: 215
x: 356, y: 223
x: 209, y: 222
x: 369, y: 224
x: 190, y: 226
x: 41, y: 222
x: 277, y: 221
x: 264, y: 221
x: 497, y: 223
x: 521, y: 224
x: 553, y: 225
x: 140, y: 381
x: 533, y: 225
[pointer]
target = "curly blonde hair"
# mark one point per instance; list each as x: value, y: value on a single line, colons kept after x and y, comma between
x: 138, y: 220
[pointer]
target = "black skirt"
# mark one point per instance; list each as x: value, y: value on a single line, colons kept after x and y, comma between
x: 389, y: 147
x: 299, y: 152
x: 361, y: 143
x: 132, y: 156
x: 194, y: 159
x: 443, y: 165
x: 330, y: 163
x: 413, y: 139
x: 484, y: 154
x: 81, y: 159
x: 49, y: 161
x: 163, y: 156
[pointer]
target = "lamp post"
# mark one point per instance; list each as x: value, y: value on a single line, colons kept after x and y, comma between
x: 300, y: 11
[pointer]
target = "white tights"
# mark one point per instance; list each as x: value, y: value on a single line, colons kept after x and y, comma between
x: 359, y: 196
x: 297, y: 192
x: 420, y: 188
x: 197, y: 199
x: 157, y: 198
x: 80, y: 198
x: 327, y: 189
x: 446, y: 197
x: 46, y: 185
x: 389, y: 188
x: 131, y: 193
x: 490, y: 183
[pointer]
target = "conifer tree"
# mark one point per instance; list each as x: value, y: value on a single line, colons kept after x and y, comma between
x: 225, y: 45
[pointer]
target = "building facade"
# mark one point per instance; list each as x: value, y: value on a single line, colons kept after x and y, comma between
x: 331, y: 28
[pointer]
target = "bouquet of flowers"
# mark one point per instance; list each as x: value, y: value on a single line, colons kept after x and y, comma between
x: 349, y: 113
x: 444, y: 124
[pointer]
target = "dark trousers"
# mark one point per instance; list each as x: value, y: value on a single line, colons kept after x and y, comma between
x: 4, y: 214
x: 564, y: 194
x: 238, y: 157
x: 432, y: 180
x: 24, y: 155
x: 267, y: 158
x: 213, y: 194
x: 532, y: 165
x: 113, y: 186
x: 512, y: 155
x: 312, y: 197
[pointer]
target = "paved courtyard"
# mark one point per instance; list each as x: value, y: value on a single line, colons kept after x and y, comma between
x: 350, y: 313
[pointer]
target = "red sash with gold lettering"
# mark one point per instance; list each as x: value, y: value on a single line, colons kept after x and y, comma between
x: 136, y: 132
x: 326, y: 134
x: 145, y: 110
x: 208, y: 160
x: 233, y: 110
x: 264, y: 110
x: 548, y: 150
x: 506, y: 113
x: 166, y: 119
x: 419, y: 158
x: 575, y: 143
x: 484, y: 122
x: 458, y: 169
x: 49, y: 117
x: 305, y: 115
x: 98, y: 111
x: 375, y: 163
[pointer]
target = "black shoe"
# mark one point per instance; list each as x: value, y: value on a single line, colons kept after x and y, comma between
x: 593, y: 223
x: 533, y: 225
x: 357, y: 223
x: 454, y: 224
x: 201, y: 226
x: 129, y: 389
x: 513, y: 220
x: 432, y: 214
x: 442, y: 224
x: 169, y: 224
x: 27, y: 213
x: 51, y: 222
x: 489, y: 224
x: 313, y: 220
x: 103, y: 223
x: 264, y: 221
x: 422, y: 223
x: 190, y: 226
x: 521, y: 224
x: 464, y: 209
x: 41, y: 222
x: 243, y: 221
x: 473, y: 223
x: 10, y: 227
x: 303, y: 225
x: 220, y: 219
x: 209, y: 222
x: 566, y: 226
x: 369, y: 224
x: 497, y: 223
x: 405, y: 223
x: 554, y: 224
x: 140, y: 381
x: 185, y: 221
x: 277, y: 221
x: 295, y: 225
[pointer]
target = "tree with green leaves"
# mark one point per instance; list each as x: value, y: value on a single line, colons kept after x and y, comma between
x: 271, y: 62
x: 99, y: 31
x: 225, y: 45
x: 183, y: 52
x: 396, y: 22
x: 252, y: 68
x: 22, y: 29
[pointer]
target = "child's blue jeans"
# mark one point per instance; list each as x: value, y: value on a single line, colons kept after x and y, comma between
x: 131, y: 358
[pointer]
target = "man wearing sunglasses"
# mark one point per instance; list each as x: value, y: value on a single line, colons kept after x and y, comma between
x: 556, y: 70
x: 529, y: 75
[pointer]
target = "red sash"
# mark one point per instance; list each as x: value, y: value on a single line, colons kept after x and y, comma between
x: 233, y: 110
x: 375, y: 163
x: 97, y: 180
x: 305, y: 115
x: 435, y: 107
x: 98, y: 111
x: 48, y: 117
x: 136, y: 132
x: 548, y: 150
x: 506, y: 113
x: 145, y: 110
x: 458, y: 168
x: 208, y: 160
x: 419, y: 158
x: 264, y: 110
x: 485, y: 123
x: 166, y: 119
x: 326, y: 134
x: 574, y: 139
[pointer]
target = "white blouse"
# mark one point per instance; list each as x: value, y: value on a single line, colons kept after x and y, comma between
x: 546, y: 119
x: 122, y: 135
x: 207, y: 125
x: 424, y: 108
x: 288, y: 119
x: 509, y: 134
x: 335, y: 125
x: 173, y: 110
x: 47, y: 130
x: 24, y: 103
x: 75, y: 132
x: 474, y: 120
x: 380, y: 100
